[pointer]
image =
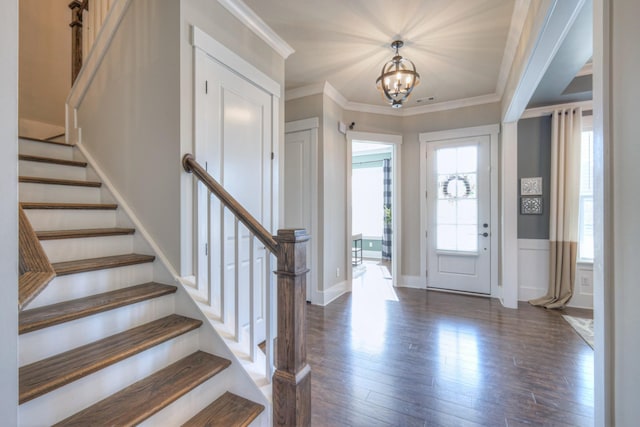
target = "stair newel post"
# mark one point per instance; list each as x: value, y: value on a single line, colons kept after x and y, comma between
x: 292, y: 379
x: 77, y: 7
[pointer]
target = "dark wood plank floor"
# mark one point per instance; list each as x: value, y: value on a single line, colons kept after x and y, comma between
x: 403, y: 357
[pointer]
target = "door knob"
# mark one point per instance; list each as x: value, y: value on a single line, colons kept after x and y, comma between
x: 485, y: 234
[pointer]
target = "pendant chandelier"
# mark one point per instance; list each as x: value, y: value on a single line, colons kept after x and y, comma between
x: 398, y: 78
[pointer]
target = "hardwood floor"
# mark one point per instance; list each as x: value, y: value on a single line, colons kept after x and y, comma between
x: 384, y: 356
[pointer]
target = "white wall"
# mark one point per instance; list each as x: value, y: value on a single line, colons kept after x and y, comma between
x: 45, y: 60
x: 217, y: 22
x: 8, y: 211
x: 130, y: 118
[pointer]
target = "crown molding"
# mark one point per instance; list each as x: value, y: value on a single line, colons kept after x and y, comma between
x: 330, y: 91
x: 518, y: 18
x: 548, y: 109
x: 249, y: 18
x: 452, y: 105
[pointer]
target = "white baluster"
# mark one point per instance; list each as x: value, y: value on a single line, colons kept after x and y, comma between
x: 209, y: 249
x: 236, y: 280
x: 270, y: 318
x: 222, y: 265
x: 252, y: 302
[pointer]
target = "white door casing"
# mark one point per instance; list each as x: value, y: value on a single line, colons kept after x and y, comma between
x: 300, y: 190
x: 472, y: 266
x: 235, y: 136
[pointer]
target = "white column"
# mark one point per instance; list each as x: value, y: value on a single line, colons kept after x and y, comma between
x: 509, y: 215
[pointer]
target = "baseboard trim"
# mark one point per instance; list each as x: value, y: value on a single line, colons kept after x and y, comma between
x: 415, y: 282
x: 329, y: 295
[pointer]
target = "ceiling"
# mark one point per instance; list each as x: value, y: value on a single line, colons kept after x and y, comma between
x: 567, y: 79
x: 458, y: 46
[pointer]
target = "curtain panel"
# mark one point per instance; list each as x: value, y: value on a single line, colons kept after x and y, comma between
x: 566, y: 134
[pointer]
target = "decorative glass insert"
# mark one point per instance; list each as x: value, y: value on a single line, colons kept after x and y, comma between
x: 457, y: 199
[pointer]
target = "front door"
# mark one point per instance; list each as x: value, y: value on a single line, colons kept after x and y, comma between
x: 458, y: 215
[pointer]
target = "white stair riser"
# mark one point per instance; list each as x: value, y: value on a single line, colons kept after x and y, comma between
x: 89, y: 247
x: 72, y: 286
x: 51, y: 170
x: 70, y: 219
x: 43, y: 149
x: 43, y: 343
x: 193, y: 402
x: 73, y: 397
x: 30, y: 192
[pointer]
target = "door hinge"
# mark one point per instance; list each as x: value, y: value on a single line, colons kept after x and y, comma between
x: 426, y: 234
x: 426, y: 273
x: 206, y: 86
x: 206, y: 249
x: 426, y: 194
x: 273, y: 155
x: 206, y: 166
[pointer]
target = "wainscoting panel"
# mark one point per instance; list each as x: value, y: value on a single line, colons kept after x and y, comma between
x: 533, y: 274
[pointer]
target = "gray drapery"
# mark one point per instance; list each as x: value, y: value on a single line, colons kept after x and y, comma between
x: 386, y: 234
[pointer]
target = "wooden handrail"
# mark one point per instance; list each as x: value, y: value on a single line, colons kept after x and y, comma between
x: 190, y: 165
x: 35, y: 269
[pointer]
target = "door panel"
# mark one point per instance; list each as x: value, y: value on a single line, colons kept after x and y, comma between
x: 298, y: 190
x: 234, y: 141
x: 458, y: 215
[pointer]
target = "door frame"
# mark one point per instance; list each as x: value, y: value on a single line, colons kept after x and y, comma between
x: 492, y: 131
x: 311, y: 125
x: 396, y: 225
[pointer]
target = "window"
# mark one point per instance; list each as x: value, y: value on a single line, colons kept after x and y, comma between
x: 585, y: 237
x: 367, y: 201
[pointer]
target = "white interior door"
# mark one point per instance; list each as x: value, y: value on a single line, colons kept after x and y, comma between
x: 298, y: 191
x: 458, y: 215
x: 234, y: 141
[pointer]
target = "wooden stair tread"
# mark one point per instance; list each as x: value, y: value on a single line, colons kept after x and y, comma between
x: 80, y: 233
x: 229, y: 410
x: 30, y: 158
x: 56, y: 181
x: 74, y: 206
x: 42, y: 317
x: 144, y: 398
x: 47, y: 141
x: 101, y: 263
x: 49, y: 374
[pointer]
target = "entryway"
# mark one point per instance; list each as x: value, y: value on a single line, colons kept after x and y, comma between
x: 373, y: 189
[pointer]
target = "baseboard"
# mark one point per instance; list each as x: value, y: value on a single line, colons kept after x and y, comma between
x: 415, y: 282
x: 526, y: 294
x: 329, y: 295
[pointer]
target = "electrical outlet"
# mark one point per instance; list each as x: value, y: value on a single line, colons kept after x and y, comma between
x: 338, y: 272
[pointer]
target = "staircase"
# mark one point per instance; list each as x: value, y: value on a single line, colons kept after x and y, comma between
x: 104, y: 343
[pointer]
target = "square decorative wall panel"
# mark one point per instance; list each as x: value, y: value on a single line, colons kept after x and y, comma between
x: 531, y: 186
x: 531, y: 205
